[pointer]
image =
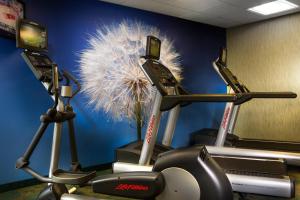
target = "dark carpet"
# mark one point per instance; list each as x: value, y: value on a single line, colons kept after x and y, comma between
x: 31, y: 192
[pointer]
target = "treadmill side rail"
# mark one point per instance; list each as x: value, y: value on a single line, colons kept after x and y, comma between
x: 77, y: 197
x: 280, y: 187
x: 290, y: 157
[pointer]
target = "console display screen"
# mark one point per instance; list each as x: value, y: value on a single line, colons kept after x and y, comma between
x: 153, y: 48
x: 31, y: 36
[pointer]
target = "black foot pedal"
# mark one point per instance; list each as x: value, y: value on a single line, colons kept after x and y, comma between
x: 72, y: 178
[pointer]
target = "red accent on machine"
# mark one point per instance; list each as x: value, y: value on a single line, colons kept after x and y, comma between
x: 132, y: 187
x: 10, y: 16
x: 150, y: 129
x: 226, y: 116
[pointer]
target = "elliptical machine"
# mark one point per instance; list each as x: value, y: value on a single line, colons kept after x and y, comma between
x: 179, y: 174
x: 48, y: 74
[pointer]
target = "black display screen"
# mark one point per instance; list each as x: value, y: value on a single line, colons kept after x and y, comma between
x: 153, y: 48
x: 31, y: 36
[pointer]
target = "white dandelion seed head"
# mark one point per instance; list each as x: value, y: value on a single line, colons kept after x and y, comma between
x: 110, y: 72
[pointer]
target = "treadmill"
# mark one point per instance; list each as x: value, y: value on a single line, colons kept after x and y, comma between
x: 247, y: 175
x: 224, y: 136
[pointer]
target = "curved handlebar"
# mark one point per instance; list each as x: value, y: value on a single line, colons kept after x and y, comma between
x: 280, y: 95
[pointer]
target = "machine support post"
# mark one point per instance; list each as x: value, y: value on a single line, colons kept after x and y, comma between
x: 152, y: 130
x: 223, y: 130
x: 55, y: 148
x: 171, y: 125
x: 73, y: 149
x: 233, y: 119
x: 55, y: 151
x: 37, y: 137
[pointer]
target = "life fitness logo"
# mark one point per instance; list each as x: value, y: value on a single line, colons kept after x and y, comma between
x: 10, y: 16
x: 150, y: 129
x: 225, y: 120
x: 134, y: 187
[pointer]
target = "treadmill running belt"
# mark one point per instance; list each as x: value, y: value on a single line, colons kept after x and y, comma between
x: 250, y: 166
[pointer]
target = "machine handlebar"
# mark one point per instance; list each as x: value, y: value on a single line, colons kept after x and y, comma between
x: 170, y: 101
x: 280, y: 95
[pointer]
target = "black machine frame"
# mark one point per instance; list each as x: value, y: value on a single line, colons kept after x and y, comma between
x: 24, y: 46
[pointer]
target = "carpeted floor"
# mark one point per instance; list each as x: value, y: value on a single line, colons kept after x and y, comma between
x: 30, y: 193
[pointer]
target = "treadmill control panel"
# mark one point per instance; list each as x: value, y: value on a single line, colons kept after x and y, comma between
x: 166, y: 77
x: 159, y: 75
x: 231, y: 79
x: 40, y: 64
x: 226, y: 74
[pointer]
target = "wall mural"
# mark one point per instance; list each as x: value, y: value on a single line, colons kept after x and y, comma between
x: 110, y: 73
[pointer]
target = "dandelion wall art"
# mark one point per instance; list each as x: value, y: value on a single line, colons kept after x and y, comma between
x: 111, y: 75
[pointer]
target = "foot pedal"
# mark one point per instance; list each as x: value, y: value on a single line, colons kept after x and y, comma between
x: 72, y: 178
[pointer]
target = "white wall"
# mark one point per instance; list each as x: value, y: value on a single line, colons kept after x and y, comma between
x: 266, y: 57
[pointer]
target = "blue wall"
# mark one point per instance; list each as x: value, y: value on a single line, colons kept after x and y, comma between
x: 69, y: 22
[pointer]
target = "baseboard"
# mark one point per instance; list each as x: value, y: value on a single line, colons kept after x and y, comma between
x: 18, y: 184
x: 29, y: 182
